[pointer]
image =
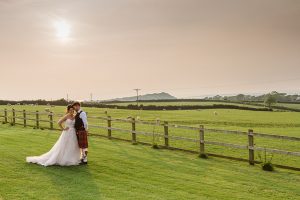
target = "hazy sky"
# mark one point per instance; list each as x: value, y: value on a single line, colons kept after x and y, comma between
x: 49, y: 48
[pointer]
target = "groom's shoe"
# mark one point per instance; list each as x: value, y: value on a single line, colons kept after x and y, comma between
x: 84, y: 158
x: 82, y: 162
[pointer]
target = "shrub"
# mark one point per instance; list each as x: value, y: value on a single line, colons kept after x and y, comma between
x: 203, y: 155
x: 267, y: 167
x: 266, y: 163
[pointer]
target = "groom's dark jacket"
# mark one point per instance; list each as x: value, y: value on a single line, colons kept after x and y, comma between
x: 81, y: 132
x: 78, y: 122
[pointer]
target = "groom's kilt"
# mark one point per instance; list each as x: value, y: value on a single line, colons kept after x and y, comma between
x: 82, y: 139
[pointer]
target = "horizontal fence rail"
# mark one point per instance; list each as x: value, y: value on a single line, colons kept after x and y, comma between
x: 10, y: 116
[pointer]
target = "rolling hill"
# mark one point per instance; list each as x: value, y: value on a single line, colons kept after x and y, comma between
x: 154, y: 96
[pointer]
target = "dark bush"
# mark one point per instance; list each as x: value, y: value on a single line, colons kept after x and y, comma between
x: 203, y: 155
x: 268, y: 167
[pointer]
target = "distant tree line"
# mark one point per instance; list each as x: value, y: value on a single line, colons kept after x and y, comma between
x: 59, y: 102
x: 270, y: 100
x: 280, y: 97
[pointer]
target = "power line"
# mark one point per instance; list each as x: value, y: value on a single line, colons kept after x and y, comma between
x: 137, y: 96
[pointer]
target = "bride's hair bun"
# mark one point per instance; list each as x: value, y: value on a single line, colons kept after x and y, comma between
x: 69, y: 107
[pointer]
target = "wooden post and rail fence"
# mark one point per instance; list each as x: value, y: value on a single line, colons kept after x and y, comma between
x: 251, y: 147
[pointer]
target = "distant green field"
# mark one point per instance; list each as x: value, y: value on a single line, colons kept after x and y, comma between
x: 183, y: 103
x: 286, y: 105
x: 290, y: 105
x: 119, y: 170
x: 206, y: 103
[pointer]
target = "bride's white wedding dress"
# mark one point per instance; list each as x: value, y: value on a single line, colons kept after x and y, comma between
x: 65, y: 152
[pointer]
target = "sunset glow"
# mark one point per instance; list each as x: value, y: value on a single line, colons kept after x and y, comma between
x: 63, y: 29
x: 189, y: 49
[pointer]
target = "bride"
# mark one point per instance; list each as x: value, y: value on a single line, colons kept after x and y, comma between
x: 65, y: 151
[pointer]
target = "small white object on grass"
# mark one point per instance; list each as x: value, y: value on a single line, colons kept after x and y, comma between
x: 157, y: 121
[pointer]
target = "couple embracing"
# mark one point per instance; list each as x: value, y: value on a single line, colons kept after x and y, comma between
x: 72, y: 146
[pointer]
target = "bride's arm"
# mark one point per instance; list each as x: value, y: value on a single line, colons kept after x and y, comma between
x: 61, y: 121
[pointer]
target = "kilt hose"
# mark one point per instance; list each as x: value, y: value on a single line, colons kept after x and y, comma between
x: 82, y: 139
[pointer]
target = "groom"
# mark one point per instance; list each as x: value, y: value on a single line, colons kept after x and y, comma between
x: 81, y: 126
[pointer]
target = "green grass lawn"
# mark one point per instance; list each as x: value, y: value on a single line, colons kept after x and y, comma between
x: 119, y: 170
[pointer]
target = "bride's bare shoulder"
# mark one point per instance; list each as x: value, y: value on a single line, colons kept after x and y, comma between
x: 64, y: 118
x: 69, y: 116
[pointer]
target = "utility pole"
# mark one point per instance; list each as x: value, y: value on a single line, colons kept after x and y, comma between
x: 67, y: 97
x: 91, y: 97
x: 137, y: 96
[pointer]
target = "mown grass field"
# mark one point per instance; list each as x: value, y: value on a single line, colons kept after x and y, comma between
x: 290, y: 105
x: 119, y: 170
x: 281, y: 123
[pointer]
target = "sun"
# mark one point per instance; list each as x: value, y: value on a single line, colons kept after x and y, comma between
x: 63, y: 29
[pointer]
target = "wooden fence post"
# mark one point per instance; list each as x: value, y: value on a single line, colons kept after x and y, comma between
x: 109, y: 127
x: 51, y: 120
x: 251, y: 146
x: 166, y: 131
x: 13, y: 117
x: 201, y: 137
x: 5, y: 116
x: 24, y: 118
x: 133, y: 131
x: 37, y: 119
